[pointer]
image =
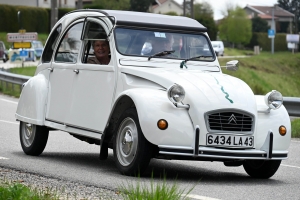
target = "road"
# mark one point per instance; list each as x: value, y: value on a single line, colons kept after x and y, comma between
x: 68, y: 158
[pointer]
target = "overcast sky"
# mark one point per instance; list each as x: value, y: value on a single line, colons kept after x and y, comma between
x: 220, y: 5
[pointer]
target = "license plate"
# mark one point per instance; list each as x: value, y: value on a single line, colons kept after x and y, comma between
x: 229, y: 140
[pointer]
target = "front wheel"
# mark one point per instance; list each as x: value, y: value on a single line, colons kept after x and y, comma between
x: 261, y: 168
x: 132, y: 152
x: 5, y: 58
x: 33, y: 138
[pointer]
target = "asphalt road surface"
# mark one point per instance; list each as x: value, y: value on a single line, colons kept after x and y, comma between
x: 71, y: 159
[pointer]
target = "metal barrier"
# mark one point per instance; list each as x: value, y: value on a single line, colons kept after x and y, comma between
x: 13, y: 78
x: 292, y: 104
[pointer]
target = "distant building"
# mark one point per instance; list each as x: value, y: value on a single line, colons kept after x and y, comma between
x: 165, y: 6
x: 41, y: 3
x: 283, y: 19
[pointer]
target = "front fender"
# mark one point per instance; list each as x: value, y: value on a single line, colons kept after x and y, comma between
x: 153, y: 105
x: 31, y: 106
x: 271, y: 121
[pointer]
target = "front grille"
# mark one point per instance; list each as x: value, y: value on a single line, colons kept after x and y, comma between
x: 230, y: 121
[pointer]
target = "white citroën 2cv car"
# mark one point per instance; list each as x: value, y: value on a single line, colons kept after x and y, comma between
x: 163, y: 95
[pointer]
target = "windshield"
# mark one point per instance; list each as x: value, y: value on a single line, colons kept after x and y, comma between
x: 150, y: 43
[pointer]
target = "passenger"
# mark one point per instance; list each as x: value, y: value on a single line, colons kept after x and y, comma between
x: 101, y: 51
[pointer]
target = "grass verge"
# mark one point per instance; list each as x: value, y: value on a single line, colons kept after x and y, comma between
x: 296, y: 128
x: 156, y: 191
x: 17, y: 191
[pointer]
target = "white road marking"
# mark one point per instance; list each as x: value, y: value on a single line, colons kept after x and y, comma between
x: 3, y: 158
x: 9, y: 101
x: 194, y: 196
x: 291, y: 166
x: 9, y: 122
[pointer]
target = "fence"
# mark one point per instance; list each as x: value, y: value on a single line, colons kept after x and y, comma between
x: 292, y: 104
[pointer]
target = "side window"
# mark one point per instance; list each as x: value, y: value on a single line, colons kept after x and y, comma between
x: 49, y: 48
x: 95, y: 39
x: 70, y: 45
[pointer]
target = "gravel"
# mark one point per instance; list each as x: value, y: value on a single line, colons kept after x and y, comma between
x: 63, y: 188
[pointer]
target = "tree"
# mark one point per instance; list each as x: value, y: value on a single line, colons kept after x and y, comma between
x: 140, y: 5
x: 204, y: 15
x: 292, y: 6
x: 236, y: 27
x: 259, y: 25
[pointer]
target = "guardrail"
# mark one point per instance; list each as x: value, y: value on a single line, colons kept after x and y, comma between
x: 292, y: 104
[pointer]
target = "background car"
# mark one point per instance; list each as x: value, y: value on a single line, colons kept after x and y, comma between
x: 218, y: 47
x: 3, y: 52
x: 38, y: 48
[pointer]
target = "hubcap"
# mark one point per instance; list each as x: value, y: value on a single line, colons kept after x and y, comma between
x: 28, y: 134
x: 126, y: 142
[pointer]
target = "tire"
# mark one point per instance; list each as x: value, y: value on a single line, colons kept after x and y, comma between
x: 262, y: 169
x: 33, y: 138
x: 132, y: 152
x: 4, y: 58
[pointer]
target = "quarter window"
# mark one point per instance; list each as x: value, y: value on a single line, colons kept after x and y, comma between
x: 49, y: 48
x: 70, y: 45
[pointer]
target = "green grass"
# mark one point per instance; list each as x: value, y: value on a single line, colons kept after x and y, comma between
x: 156, y: 191
x: 17, y: 191
x: 296, y: 128
x: 28, y: 71
x: 266, y: 72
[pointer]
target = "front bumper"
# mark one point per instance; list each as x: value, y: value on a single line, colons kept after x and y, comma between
x: 197, y: 152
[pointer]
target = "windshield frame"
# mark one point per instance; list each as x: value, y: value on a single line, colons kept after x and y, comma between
x: 211, y: 50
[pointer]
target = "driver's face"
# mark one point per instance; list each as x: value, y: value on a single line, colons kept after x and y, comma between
x: 159, y: 45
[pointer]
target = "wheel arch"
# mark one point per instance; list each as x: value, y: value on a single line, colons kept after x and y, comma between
x: 121, y: 104
x: 32, y: 102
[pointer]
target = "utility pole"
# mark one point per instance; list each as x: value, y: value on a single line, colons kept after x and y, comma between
x: 192, y: 9
x: 79, y: 4
x: 273, y: 27
x: 184, y: 14
x: 54, y: 13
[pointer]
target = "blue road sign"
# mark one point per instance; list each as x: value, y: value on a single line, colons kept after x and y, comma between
x: 23, y: 53
x: 271, y: 33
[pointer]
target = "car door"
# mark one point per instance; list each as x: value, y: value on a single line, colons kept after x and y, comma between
x: 62, y: 74
x: 93, y: 87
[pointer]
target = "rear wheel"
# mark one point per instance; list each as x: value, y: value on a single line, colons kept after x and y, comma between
x: 132, y: 151
x: 33, y: 138
x: 261, y: 168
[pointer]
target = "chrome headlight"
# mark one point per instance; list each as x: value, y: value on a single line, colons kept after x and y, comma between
x: 274, y: 99
x: 176, y: 93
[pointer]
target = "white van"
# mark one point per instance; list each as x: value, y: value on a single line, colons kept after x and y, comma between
x: 218, y: 47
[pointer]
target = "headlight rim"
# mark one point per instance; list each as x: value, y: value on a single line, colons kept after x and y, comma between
x: 270, y: 103
x: 170, y: 90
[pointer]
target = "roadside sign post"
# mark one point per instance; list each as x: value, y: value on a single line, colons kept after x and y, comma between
x: 292, y: 41
x: 271, y: 34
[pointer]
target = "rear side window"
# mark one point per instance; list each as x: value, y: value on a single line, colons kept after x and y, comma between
x: 49, y: 48
x: 69, y: 45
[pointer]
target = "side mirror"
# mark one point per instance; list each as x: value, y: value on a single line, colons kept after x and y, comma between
x: 232, y: 65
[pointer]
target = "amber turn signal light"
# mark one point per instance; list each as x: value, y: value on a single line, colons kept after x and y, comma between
x: 282, y: 130
x: 162, y: 124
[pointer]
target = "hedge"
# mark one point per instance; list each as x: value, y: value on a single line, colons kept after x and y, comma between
x: 33, y: 19
x: 262, y: 40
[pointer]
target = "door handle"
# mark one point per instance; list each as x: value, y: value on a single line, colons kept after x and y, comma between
x: 76, y: 71
x: 50, y: 69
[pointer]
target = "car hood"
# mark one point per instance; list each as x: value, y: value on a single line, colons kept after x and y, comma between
x: 204, y: 90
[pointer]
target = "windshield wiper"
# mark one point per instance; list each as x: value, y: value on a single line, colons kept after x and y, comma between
x: 163, y: 53
x: 192, y: 58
